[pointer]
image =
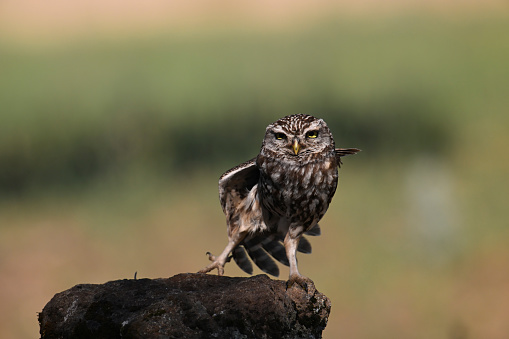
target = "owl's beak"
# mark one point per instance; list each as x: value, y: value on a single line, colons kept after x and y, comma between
x: 296, y: 146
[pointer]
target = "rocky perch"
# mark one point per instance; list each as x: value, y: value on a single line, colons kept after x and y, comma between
x: 186, y: 306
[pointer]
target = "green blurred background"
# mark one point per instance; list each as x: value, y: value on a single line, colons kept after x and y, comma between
x: 117, y: 118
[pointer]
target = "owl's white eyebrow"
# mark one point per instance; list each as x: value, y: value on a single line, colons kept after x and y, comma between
x: 312, y: 128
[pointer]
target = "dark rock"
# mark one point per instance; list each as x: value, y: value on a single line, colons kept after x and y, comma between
x: 186, y: 306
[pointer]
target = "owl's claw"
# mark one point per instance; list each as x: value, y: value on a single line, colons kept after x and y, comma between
x: 214, y: 258
x: 216, y: 263
x: 304, y: 282
x: 211, y: 256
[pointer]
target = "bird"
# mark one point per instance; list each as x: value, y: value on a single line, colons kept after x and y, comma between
x: 273, y: 200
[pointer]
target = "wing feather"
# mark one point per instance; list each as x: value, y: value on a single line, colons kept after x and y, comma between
x: 234, y: 184
x: 315, y: 231
x: 341, y: 152
x: 262, y: 248
x: 234, y: 187
x: 260, y: 257
x: 273, y: 245
x: 304, y: 246
x: 241, y: 259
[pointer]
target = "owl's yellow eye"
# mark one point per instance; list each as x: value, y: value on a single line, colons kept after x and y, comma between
x: 279, y: 136
x: 312, y: 134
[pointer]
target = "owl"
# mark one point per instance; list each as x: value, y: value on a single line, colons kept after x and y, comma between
x: 274, y: 199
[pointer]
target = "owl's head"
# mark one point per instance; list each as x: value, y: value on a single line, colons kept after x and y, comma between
x: 298, y: 135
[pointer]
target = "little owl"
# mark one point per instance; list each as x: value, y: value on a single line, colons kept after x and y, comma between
x: 271, y: 201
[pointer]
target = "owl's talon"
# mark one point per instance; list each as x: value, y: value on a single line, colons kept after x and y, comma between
x: 211, y: 256
x: 215, y: 264
x: 304, y: 282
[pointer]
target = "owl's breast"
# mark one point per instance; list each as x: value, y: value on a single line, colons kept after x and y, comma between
x: 300, y: 192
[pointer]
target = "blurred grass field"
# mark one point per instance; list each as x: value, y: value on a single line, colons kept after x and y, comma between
x: 111, y: 147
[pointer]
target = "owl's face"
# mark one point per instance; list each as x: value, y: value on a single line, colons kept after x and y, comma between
x: 297, y: 136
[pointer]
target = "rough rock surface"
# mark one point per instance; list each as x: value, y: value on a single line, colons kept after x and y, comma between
x: 186, y: 306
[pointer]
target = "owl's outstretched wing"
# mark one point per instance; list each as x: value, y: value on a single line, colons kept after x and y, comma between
x: 234, y: 188
x: 341, y: 152
x: 235, y: 184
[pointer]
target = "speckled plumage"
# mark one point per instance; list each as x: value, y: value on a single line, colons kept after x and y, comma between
x: 279, y: 195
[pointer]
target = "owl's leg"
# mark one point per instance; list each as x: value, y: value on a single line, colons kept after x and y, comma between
x: 291, y: 244
x: 224, y: 257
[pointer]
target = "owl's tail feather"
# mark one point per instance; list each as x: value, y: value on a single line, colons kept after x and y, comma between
x: 275, y: 248
x: 260, y: 257
x: 240, y: 256
x: 262, y: 249
x: 315, y: 231
x: 304, y: 245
